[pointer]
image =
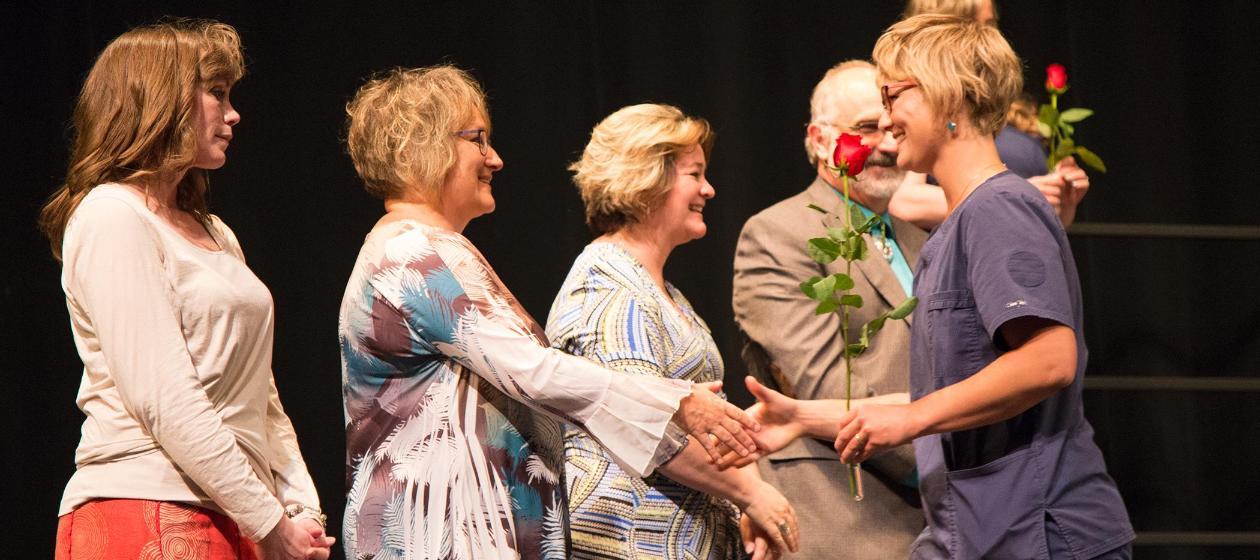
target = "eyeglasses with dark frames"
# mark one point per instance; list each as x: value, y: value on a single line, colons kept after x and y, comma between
x: 477, y: 136
x: 890, y: 92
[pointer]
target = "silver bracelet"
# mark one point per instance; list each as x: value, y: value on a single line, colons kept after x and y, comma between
x: 301, y: 511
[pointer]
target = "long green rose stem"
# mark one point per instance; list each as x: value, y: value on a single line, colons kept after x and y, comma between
x: 1056, y: 133
x: 855, y: 470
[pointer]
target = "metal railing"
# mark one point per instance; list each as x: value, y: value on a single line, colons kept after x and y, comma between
x: 1157, y: 383
x: 1164, y: 231
x: 1192, y: 538
x: 1248, y: 384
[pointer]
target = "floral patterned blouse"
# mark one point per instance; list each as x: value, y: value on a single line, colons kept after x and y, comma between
x: 454, y: 404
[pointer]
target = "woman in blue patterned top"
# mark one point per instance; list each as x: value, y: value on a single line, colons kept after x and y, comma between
x: 453, y: 399
x: 642, y: 179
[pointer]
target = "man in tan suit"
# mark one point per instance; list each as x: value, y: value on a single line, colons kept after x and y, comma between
x: 793, y: 350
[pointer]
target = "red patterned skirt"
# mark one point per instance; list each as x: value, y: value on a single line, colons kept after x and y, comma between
x: 149, y: 530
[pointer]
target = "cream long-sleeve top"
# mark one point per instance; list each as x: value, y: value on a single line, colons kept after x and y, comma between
x: 177, y: 384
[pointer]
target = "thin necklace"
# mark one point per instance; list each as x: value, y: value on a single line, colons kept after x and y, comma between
x: 979, y: 178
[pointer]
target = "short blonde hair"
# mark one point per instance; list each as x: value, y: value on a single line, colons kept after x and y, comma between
x: 961, y: 8
x: 399, y: 128
x: 823, y: 103
x: 627, y: 167
x: 959, y: 64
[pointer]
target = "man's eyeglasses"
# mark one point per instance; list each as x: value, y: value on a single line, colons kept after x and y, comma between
x: 890, y: 92
x: 864, y: 128
x: 476, y: 136
x: 868, y: 128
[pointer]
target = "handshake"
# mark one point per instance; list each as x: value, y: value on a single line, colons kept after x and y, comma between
x: 873, y: 425
x: 733, y: 439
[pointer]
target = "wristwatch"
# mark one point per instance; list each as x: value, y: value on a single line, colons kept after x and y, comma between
x: 302, y: 511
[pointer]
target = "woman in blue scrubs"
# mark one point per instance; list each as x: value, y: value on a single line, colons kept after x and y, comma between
x: 1007, y: 463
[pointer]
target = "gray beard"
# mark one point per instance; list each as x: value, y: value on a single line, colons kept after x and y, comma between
x: 880, y: 177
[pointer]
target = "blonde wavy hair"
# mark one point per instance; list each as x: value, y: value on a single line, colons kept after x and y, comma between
x: 627, y: 167
x: 1023, y: 114
x: 962, y: 8
x: 400, y: 125
x: 959, y: 64
x: 136, y: 115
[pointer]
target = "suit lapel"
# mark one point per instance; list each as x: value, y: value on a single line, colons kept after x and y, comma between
x: 875, y: 268
x: 880, y: 274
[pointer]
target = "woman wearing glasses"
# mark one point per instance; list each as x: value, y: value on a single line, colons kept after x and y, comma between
x: 1007, y: 463
x: 1018, y: 143
x: 454, y: 401
x: 642, y: 180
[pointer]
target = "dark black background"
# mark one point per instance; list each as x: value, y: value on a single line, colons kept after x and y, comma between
x: 1174, y: 87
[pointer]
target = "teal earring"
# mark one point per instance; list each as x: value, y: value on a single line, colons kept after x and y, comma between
x: 951, y: 126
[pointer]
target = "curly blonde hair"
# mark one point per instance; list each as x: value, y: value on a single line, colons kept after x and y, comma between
x: 136, y: 115
x: 627, y: 167
x: 399, y: 128
x: 962, y: 8
x: 959, y: 64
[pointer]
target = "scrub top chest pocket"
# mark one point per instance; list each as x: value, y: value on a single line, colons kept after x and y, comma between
x: 958, y: 344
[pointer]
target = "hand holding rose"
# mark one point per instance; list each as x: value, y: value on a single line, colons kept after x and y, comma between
x: 874, y: 428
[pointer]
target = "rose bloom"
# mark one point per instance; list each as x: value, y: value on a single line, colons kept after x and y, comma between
x: 1056, y: 76
x: 850, y: 154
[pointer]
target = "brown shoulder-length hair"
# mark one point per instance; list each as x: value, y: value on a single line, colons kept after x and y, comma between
x: 135, y: 117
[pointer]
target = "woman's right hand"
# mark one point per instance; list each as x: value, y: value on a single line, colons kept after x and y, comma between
x: 772, y: 517
x: 289, y: 541
x: 713, y: 421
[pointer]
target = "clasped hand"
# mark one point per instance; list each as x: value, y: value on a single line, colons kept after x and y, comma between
x: 768, y: 526
x: 715, y: 422
x: 303, y: 539
x: 872, y: 428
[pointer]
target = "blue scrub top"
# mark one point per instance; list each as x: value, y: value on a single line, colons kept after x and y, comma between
x: 1021, y: 152
x: 1000, y: 491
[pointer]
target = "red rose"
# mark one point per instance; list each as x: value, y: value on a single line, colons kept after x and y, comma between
x: 1056, y: 77
x: 850, y: 154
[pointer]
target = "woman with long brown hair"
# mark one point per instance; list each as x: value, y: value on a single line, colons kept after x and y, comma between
x: 186, y: 449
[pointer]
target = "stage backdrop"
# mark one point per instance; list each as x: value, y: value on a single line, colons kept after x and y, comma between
x: 1174, y: 90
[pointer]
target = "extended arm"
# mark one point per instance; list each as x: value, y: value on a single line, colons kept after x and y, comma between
x: 924, y: 205
x: 630, y: 415
x: 783, y: 419
x: 1042, y: 361
x: 918, y: 202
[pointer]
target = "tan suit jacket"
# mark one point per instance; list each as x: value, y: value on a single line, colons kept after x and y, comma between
x: 806, y: 350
